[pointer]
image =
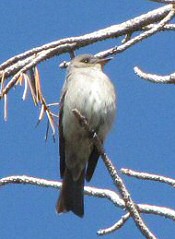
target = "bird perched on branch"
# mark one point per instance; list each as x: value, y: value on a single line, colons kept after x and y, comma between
x: 89, y: 90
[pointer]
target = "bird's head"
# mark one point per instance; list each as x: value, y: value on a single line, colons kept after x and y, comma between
x: 88, y: 60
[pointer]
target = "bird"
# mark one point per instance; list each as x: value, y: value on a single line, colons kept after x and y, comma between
x: 90, y: 91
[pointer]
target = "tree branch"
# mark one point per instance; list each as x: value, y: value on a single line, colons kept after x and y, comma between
x: 167, y: 79
x: 45, y: 55
x: 116, y: 226
x: 94, y: 192
x: 14, y: 64
x: 164, y: 1
x: 156, y: 28
x: 127, y: 43
x: 167, y: 27
x: 148, y: 176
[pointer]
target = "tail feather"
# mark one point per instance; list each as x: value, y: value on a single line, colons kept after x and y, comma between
x: 72, y: 195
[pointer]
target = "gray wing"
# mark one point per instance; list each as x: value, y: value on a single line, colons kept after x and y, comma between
x: 92, y: 163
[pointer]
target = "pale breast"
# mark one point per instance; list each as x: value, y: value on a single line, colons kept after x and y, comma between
x: 92, y: 93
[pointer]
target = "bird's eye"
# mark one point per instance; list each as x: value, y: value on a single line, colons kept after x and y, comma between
x: 86, y: 60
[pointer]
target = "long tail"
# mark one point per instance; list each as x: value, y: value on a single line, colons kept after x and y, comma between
x: 72, y: 195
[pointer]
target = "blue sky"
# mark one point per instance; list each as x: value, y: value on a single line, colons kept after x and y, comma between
x: 142, y: 138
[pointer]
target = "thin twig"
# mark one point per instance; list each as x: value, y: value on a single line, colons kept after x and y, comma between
x: 168, y: 27
x: 53, y: 104
x: 164, y: 1
x: 148, y: 176
x: 24, y: 96
x: 114, y: 227
x: 167, y: 79
x: 5, y: 107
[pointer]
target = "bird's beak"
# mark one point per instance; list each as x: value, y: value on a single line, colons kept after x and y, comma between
x: 103, y: 61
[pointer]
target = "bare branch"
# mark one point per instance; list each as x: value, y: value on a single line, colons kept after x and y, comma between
x: 45, y: 55
x: 157, y: 27
x: 167, y: 79
x: 168, y: 27
x: 129, y: 203
x: 164, y: 1
x: 90, y: 191
x: 127, y: 42
x: 15, y: 64
x: 116, y: 226
x: 148, y: 176
x: 150, y: 77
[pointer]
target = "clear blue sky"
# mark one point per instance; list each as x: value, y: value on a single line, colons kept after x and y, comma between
x: 142, y: 138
